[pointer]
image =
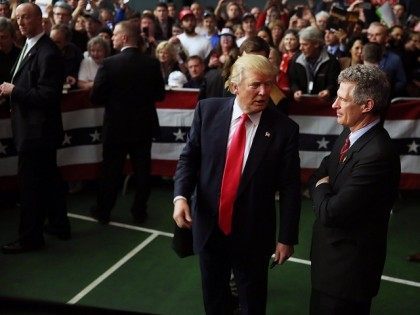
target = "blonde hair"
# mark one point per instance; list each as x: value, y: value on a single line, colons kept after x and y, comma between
x: 246, y: 63
x: 170, y: 48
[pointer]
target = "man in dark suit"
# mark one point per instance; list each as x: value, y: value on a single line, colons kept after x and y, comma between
x: 233, y: 214
x: 353, y: 192
x: 35, y: 94
x: 128, y: 85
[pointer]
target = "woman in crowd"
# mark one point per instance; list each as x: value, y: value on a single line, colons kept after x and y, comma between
x: 169, y: 59
x: 277, y: 30
x: 354, y: 53
x: 265, y: 33
x: 225, y: 49
x: 98, y: 50
x: 288, y: 46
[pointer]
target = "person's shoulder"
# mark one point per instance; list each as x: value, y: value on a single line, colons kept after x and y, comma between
x: 281, y: 119
x: 215, y: 104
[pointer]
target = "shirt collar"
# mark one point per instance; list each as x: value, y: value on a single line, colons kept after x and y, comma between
x: 33, y: 40
x: 354, y: 136
x: 237, y: 113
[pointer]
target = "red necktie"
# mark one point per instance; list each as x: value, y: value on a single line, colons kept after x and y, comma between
x: 232, y: 175
x: 344, y: 149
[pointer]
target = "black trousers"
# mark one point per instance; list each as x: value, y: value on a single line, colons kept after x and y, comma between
x: 114, y: 157
x: 42, y: 194
x: 217, y: 260
x: 324, y: 304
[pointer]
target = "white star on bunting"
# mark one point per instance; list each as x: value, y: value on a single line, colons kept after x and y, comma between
x: 67, y: 139
x: 96, y: 136
x: 179, y: 135
x: 412, y: 147
x: 323, y: 143
x: 3, y: 148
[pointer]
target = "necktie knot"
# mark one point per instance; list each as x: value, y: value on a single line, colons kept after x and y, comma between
x: 344, y: 149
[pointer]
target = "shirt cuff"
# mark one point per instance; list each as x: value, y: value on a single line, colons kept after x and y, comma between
x: 178, y: 198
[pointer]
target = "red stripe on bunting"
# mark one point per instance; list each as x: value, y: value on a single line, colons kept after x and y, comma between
x: 404, y: 109
x: 179, y: 100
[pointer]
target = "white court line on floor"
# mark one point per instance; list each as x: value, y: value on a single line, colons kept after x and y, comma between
x: 111, y: 270
x: 291, y: 259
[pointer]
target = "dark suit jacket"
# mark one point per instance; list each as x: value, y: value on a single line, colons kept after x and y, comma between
x: 352, y: 211
x: 128, y: 85
x: 273, y: 164
x: 35, y: 100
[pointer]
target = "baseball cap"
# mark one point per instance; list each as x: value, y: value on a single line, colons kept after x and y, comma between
x: 227, y: 31
x: 184, y: 13
x: 247, y: 15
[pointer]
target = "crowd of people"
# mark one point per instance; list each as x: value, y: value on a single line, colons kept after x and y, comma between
x: 241, y: 150
x: 310, y: 44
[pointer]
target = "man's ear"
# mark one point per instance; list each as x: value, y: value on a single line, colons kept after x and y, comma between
x: 233, y: 88
x: 368, y: 106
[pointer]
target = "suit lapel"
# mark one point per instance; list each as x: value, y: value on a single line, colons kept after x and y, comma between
x: 29, y: 55
x: 221, y: 132
x: 261, y: 142
x: 357, y: 146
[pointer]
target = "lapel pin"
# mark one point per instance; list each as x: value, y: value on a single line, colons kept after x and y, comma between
x: 267, y: 134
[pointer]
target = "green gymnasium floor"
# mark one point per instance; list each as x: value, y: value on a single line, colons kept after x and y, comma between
x: 132, y: 268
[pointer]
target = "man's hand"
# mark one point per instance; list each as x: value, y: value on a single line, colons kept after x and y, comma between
x: 283, y: 252
x: 182, y: 214
x: 324, y: 93
x: 324, y: 180
x: 6, y: 89
x: 297, y: 95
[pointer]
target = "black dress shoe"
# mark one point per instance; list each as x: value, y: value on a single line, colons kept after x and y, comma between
x: 61, y: 234
x: 97, y: 215
x: 17, y: 247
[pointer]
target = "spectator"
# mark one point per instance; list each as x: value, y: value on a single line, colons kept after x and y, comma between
x: 198, y: 12
x: 169, y: 59
x: 172, y: 10
x: 314, y: 71
x: 62, y: 13
x: 289, y: 47
x: 61, y: 36
x: 399, y: 13
x: 92, y: 24
x: 5, y: 9
x: 321, y: 19
x: 163, y: 25
x: 227, y: 15
x: 191, y: 42
x: 276, y: 28
x: 211, y: 33
x: 226, y: 49
x: 390, y: 63
x: 147, y: 32
x: 196, y: 70
x: 333, y: 43
x: 249, y: 27
x: 255, y: 11
x: 98, y: 50
x: 238, y: 31
x: 372, y: 54
x: 411, y: 58
x: 354, y: 53
x: 9, y: 52
x: 265, y: 34
x: 396, y: 40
